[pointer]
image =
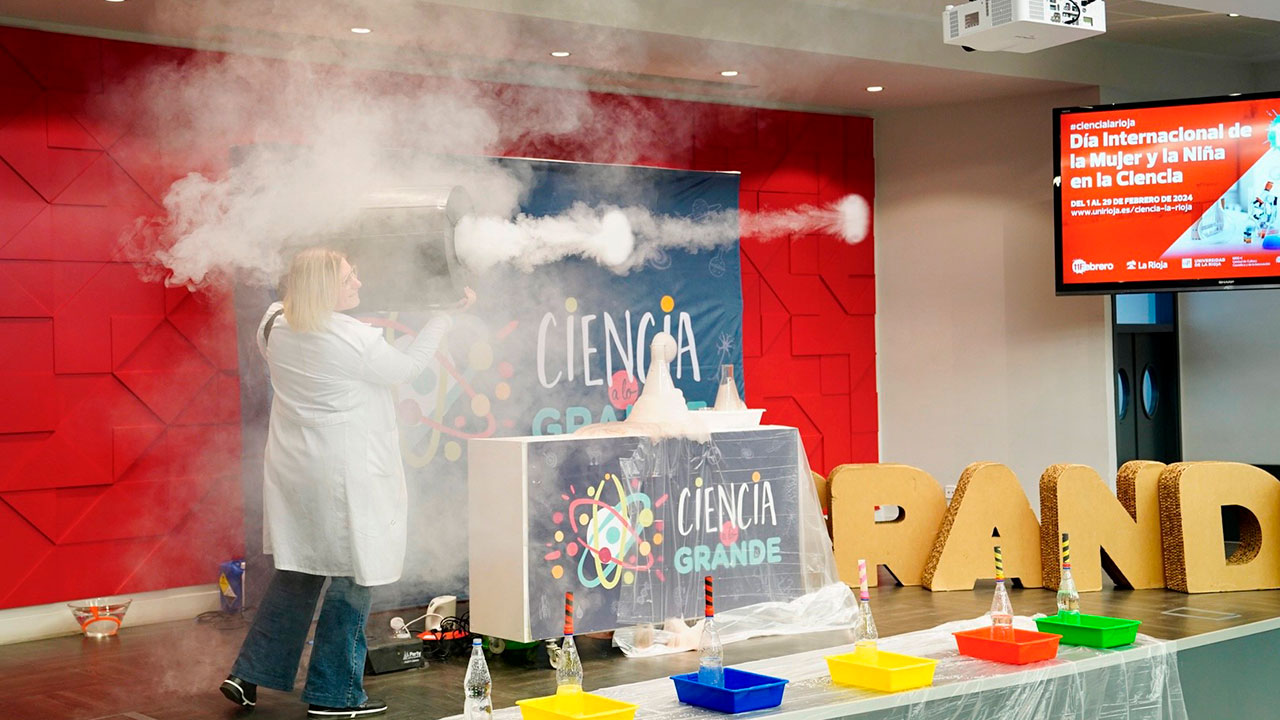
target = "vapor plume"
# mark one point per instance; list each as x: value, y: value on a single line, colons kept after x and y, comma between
x: 311, y: 143
x: 623, y: 239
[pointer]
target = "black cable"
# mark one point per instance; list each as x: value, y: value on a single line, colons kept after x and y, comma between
x: 225, y: 620
x: 442, y: 649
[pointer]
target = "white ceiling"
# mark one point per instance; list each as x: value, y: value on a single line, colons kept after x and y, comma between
x: 819, y: 54
x: 1264, y: 9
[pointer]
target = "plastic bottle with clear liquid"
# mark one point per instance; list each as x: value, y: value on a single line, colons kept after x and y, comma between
x: 865, y: 635
x: 710, y: 654
x: 1068, y: 597
x: 568, y: 667
x: 710, y: 650
x: 1001, y: 607
x: 1001, y: 613
x: 477, y: 686
x: 569, y: 678
x: 864, y: 631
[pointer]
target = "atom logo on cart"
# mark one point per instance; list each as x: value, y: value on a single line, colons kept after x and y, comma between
x: 606, y: 538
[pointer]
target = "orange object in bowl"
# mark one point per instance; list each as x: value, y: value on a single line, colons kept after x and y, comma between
x: 99, y: 617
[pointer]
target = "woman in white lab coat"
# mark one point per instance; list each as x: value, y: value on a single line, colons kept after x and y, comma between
x: 333, y: 487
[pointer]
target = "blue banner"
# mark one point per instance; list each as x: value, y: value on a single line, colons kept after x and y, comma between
x: 566, y: 345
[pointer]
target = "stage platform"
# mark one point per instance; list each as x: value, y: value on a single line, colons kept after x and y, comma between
x: 1226, y: 652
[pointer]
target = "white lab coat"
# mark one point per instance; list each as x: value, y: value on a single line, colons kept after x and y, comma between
x: 334, y: 496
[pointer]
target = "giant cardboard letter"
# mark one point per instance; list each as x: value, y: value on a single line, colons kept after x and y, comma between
x: 902, y: 544
x: 824, y: 497
x: 1074, y: 499
x: 988, y: 500
x: 1192, y: 496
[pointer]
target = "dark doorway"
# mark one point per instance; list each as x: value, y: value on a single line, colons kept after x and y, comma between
x: 1145, y: 348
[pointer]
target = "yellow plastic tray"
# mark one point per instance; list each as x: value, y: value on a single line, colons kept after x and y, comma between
x: 883, y: 671
x: 585, y: 705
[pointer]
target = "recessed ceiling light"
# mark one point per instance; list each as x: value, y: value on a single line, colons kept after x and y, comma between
x: 729, y: 73
x: 115, y: 0
x: 1233, y: 14
x: 875, y: 88
x: 361, y: 31
x: 560, y: 53
x: 1234, y: 94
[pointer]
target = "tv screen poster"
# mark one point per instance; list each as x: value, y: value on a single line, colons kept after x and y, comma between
x: 1172, y: 195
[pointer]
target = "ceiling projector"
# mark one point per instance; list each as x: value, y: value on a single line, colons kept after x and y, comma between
x: 1022, y: 26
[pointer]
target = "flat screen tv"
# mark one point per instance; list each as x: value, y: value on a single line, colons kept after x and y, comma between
x: 1168, y: 196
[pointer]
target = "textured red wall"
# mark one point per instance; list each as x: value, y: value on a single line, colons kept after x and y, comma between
x: 119, y: 414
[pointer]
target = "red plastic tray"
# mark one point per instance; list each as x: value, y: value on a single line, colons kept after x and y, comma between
x: 1027, y: 646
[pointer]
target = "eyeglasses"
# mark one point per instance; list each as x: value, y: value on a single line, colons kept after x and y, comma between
x: 351, y: 276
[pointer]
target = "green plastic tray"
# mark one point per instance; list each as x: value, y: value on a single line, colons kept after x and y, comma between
x: 1091, y: 630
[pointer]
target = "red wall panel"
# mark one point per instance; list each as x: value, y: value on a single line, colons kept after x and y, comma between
x: 119, y: 416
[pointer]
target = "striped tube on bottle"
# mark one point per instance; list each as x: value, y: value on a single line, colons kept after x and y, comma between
x: 709, y: 597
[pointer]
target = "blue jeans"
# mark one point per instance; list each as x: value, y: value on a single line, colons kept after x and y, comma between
x: 273, y: 647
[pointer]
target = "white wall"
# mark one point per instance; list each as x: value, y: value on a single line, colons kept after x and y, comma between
x: 1230, y: 348
x: 1229, y: 342
x: 977, y: 358
x: 1230, y: 362
x: 42, y: 621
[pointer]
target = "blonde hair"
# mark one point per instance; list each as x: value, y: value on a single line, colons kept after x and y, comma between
x: 311, y: 288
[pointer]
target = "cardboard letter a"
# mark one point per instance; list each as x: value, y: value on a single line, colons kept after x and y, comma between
x: 988, y: 499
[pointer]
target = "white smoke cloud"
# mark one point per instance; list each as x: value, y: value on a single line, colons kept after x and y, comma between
x: 624, y: 239
x: 849, y: 218
x: 309, y: 144
x: 603, y: 235
x: 314, y: 141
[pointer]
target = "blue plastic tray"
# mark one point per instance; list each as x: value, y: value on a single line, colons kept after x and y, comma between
x: 742, y: 692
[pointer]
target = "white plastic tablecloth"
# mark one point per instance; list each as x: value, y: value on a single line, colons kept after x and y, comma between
x: 1136, y: 682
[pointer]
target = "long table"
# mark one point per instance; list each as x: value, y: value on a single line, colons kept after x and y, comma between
x: 1200, y: 656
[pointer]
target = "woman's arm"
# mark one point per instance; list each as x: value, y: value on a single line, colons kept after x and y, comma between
x: 262, y: 324
x: 383, y: 364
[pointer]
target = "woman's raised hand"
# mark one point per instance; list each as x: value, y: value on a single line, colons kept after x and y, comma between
x: 468, y: 299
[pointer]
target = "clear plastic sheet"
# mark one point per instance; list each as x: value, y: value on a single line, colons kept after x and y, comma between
x: 830, y: 607
x: 716, y: 490
x: 1138, y: 682
x: 685, y: 495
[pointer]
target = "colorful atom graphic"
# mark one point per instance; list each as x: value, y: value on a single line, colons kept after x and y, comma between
x: 610, y: 540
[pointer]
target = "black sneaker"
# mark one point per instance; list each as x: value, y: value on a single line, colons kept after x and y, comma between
x: 369, y: 709
x: 240, y: 692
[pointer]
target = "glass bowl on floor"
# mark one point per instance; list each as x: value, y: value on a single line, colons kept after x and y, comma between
x: 99, y: 617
